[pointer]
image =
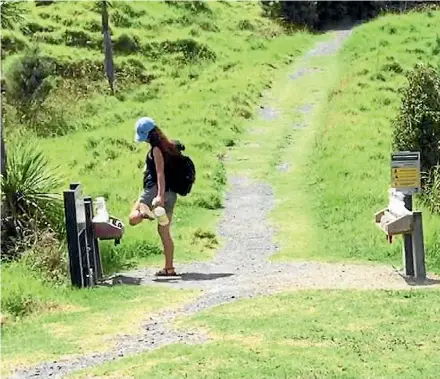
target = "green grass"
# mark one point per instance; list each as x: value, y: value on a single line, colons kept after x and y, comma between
x: 68, y: 322
x: 202, y: 102
x: 311, y: 334
x: 341, y: 164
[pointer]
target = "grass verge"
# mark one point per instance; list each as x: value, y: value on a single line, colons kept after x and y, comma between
x: 67, y: 322
x: 342, y: 168
x: 311, y: 334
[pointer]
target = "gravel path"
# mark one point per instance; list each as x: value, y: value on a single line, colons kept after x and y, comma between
x: 239, y: 270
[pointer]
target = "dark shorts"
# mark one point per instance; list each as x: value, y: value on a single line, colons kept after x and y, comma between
x: 149, y: 194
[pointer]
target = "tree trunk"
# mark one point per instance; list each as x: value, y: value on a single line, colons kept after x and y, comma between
x: 2, y: 132
x: 3, y: 153
x: 108, y: 50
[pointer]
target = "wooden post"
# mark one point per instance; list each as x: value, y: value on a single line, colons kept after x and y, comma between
x: 418, y: 247
x: 407, y: 241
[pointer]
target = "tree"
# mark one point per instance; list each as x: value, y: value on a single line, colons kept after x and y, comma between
x: 3, y: 151
x: 102, y: 6
x: 11, y: 13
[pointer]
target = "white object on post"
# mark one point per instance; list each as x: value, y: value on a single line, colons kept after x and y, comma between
x: 396, y: 203
x: 101, y: 211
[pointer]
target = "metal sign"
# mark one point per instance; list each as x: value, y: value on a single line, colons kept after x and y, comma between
x: 405, y: 171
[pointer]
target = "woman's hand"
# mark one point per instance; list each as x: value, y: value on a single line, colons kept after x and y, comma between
x: 158, y: 200
x: 160, y: 165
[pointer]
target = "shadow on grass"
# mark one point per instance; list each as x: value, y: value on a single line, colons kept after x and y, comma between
x: 189, y: 276
x: 120, y: 279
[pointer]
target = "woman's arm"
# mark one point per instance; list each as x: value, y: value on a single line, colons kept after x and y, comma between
x: 160, y: 171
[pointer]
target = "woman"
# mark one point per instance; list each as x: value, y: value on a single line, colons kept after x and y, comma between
x: 158, y: 162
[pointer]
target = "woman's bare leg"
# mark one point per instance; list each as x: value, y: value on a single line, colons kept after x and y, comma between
x: 135, y: 216
x: 167, y: 242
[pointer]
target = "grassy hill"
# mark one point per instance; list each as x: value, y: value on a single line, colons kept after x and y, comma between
x: 197, y: 68
x: 343, y: 174
x: 200, y: 69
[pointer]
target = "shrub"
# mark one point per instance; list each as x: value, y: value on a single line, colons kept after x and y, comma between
x: 31, y: 28
x: 40, y: 3
x: 93, y: 26
x: 19, y: 304
x: 417, y: 126
x: 320, y: 14
x: 48, y: 37
x: 12, y: 44
x: 191, y: 6
x: 80, y: 38
x: 11, y: 14
x: 29, y: 198
x: 189, y: 48
x: 126, y: 44
x: 129, y: 10
x: 26, y: 84
x: 208, y: 200
x: 245, y: 25
x: 431, y: 194
x: 120, y: 20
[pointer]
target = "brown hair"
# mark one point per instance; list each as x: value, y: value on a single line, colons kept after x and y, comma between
x: 158, y: 139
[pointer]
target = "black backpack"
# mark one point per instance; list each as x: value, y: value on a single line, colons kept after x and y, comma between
x: 181, y: 175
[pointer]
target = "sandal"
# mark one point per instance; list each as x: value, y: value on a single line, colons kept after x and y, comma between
x: 166, y: 272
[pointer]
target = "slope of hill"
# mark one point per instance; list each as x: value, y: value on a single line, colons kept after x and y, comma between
x: 197, y: 67
x: 346, y: 173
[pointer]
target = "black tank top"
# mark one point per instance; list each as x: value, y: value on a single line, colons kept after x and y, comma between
x: 150, y: 174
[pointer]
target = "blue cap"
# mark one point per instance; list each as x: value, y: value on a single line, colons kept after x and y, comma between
x: 143, y: 128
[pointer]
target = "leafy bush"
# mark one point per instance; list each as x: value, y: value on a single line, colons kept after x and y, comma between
x: 29, y: 197
x: 26, y: 84
x: 12, y: 44
x: 40, y: 3
x: 31, y: 28
x: 19, y: 304
x: 80, y: 38
x: 192, y: 6
x: 126, y: 44
x: 189, y: 48
x: 120, y: 20
x: 417, y: 126
x: 11, y: 13
x: 48, y: 37
x: 320, y: 14
x: 129, y: 10
x: 431, y: 194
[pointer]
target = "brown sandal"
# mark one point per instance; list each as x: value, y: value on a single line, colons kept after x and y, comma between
x: 166, y: 272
